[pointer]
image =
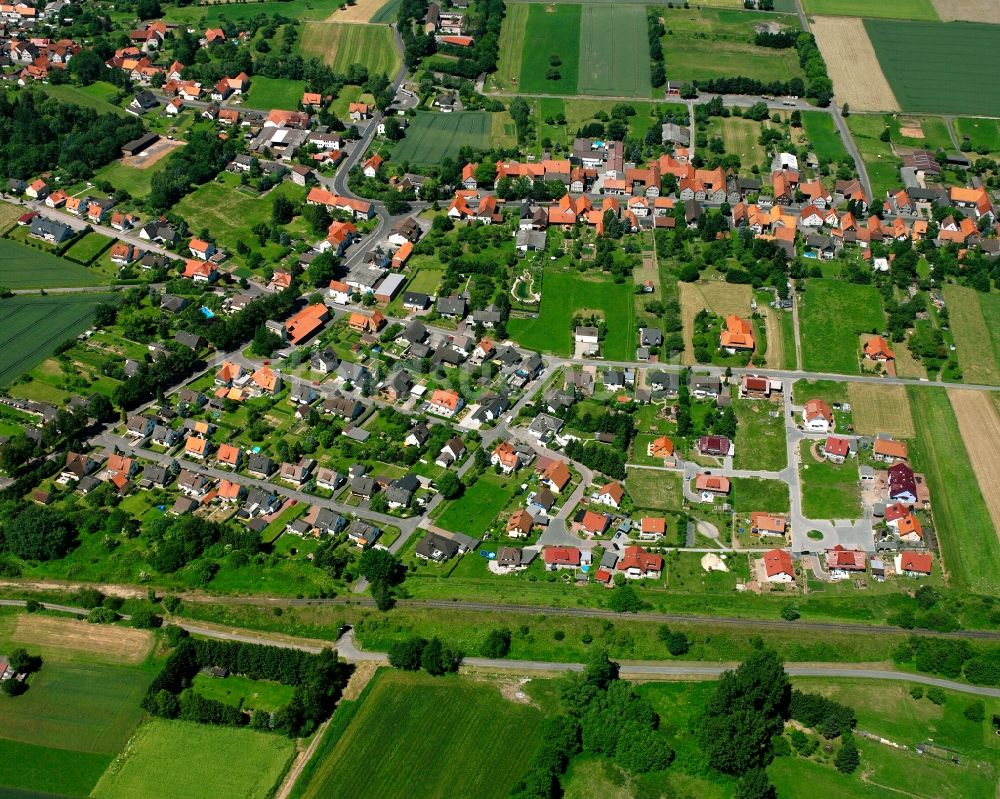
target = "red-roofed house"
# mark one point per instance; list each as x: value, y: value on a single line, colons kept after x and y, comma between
x: 505, y: 457
x: 766, y: 524
x: 637, y: 564
x: 913, y: 564
x: 306, y: 322
x: 611, y: 494
x: 842, y: 563
x: 519, y: 524
x: 229, y: 455
x: 778, y: 566
x: 595, y: 523
x: 737, y: 335
x: 836, y: 449
x: 202, y: 250
x: 661, y: 447
x: 817, y: 416
x: 710, y: 484
x: 877, y: 349
x: 200, y: 271
x: 652, y: 528
x: 557, y: 475
x: 445, y: 402
x: 561, y: 558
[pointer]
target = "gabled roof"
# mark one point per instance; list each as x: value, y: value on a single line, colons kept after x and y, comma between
x: 778, y: 561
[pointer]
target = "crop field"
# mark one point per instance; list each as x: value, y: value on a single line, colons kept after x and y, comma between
x: 953, y: 71
x: 889, y: 9
x: 386, y: 12
x: 23, y: 267
x: 831, y: 315
x: 214, y: 13
x: 221, y: 762
x: 978, y: 345
x: 979, y: 424
x: 829, y: 490
x: 394, y: 746
x: 961, y: 517
x: 275, y: 93
x: 60, y: 637
x: 512, y: 32
x: 880, y: 409
x: 362, y: 11
x: 824, y: 136
x: 760, y: 441
x: 970, y: 10
x: 652, y: 489
x: 474, y: 511
x: 614, y: 54
x: 34, y: 326
x: 229, y: 212
x: 564, y: 294
x: 555, y: 30
x: 853, y: 65
x: 341, y: 45
x: 719, y: 297
x: 982, y: 133
x: 432, y: 137
x: 25, y: 769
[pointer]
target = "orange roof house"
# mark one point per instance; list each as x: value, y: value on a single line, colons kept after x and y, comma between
x: 505, y: 456
x: 213, y: 35
x: 877, y: 349
x: 311, y: 99
x: 267, y: 380
x: 365, y: 323
x: 636, y: 563
x: 712, y: 484
x: 200, y: 270
x: 738, y: 334
x: 306, y: 322
x: 519, y: 523
x: 887, y: 449
x: 557, y: 473
x: 229, y: 491
x: 767, y: 523
x: 661, y: 447
x: 914, y: 562
x: 653, y: 526
x: 446, y: 400
x: 229, y: 454
x: 778, y: 566
x: 228, y: 372
x: 196, y: 447
x: 403, y: 254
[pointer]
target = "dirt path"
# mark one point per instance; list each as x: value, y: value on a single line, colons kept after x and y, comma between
x: 979, y: 424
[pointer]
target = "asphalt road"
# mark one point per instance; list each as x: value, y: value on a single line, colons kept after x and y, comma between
x: 347, y: 649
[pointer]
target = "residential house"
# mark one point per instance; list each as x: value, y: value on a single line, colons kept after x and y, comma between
x: 652, y: 528
x: 506, y: 457
x: 836, y: 449
x: 737, y: 336
x: 902, y: 484
x: 718, y: 446
x: 843, y: 563
x: 229, y: 455
x: 560, y: 558
x: 520, y: 523
x: 766, y: 524
x: 889, y: 450
x: 913, y: 564
x: 445, y: 402
x: 638, y: 564
x: 778, y: 566
x: 817, y: 417
x: 610, y: 494
x: 436, y: 547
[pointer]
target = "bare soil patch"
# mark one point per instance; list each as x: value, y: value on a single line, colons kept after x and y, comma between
x: 971, y: 10
x: 720, y: 298
x: 152, y: 154
x: 911, y: 131
x: 852, y: 64
x: 362, y: 674
x: 117, y: 644
x: 362, y: 11
x: 881, y: 409
x: 979, y: 425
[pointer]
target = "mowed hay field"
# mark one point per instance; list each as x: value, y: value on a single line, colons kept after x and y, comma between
x: 653, y: 489
x: 341, y: 45
x: 880, y: 409
x: 976, y: 342
x: 938, y: 67
x: 51, y: 635
x: 831, y: 315
x: 963, y: 524
x: 23, y: 267
x: 414, y: 736
x: 431, y: 137
x: 853, y: 65
x: 979, y: 424
x: 970, y: 10
x: 32, y: 327
x: 720, y: 298
x: 515, y: 20
x: 361, y: 11
x: 891, y: 9
x: 555, y: 30
x: 614, y: 53
x: 180, y: 759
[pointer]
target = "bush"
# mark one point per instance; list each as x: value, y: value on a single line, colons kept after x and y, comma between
x: 975, y: 711
x: 497, y: 644
x: 936, y: 695
x: 847, y: 759
x: 917, y: 692
x: 790, y: 613
x: 32, y: 605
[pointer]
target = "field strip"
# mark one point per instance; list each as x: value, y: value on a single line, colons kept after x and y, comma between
x: 979, y: 424
x: 969, y: 10
x: 362, y: 11
x: 117, y: 644
x: 852, y: 64
x: 976, y: 353
x: 775, y: 345
x: 881, y: 409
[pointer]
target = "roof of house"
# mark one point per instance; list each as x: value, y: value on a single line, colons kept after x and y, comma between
x: 635, y: 557
x: 837, y: 446
x: 654, y: 525
x: 661, y: 447
x: 228, y: 454
x: 877, y: 348
x: 915, y: 562
x: 778, y: 561
x: 890, y: 447
x: 850, y: 559
x: 445, y: 398
x: 561, y: 556
x: 816, y: 408
x: 710, y: 482
x: 595, y: 522
x: 613, y: 489
x: 558, y: 474
x: 767, y: 522
x: 306, y: 322
x: 738, y: 333
x: 520, y: 520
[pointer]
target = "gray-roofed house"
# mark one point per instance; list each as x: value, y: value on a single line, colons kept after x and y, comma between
x: 487, y: 317
x: 675, y: 134
x: 351, y: 372
x: 436, y: 547
x: 529, y: 241
x: 49, y: 230
x: 415, y: 300
x: 173, y: 303
x: 398, y: 386
x: 363, y: 534
x: 154, y: 476
x: 363, y: 486
x: 192, y: 340
x: 414, y: 333
x: 259, y: 465
x: 544, y: 426
x: 664, y: 382
x: 451, y: 307
x: 325, y: 361
x: 650, y: 337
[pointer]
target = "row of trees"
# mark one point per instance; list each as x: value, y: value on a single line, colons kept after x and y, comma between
x: 657, y: 67
x: 600, y: 457
x: 951, y: 658
x: 433, y: 656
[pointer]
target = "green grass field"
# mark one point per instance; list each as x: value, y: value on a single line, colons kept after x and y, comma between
x: 566, y: 293
x: 880, y: 161
x: 135, y: 181
x: 614, y: 54
x: 243, y: 692
x: 475, y: 510
x: 741, y: 137
x: 554, y: 30
x: 831, y: 316
x: 652, y: 489
x: 34, y: 326
x: 760, y: 439
x: 87, y: 248
x: 23, y: 267
x: 890, y: 9
x: 268, y: 93
x: 387, y: 13
x: 432, y: 137
x: 515, y: 20
x: 220, y: 762
x: 829, y: 490
x: 824, y: 137
x: 750, y: 494
x: 952, y: 72
x: 341, y: 45
x: 983, y: 134
x: 25, y: 768
x: 216, y: 12
x: 228, y: 212
x: 968, y: 542
x: 416, y: 736
x: 98, y: 96
x: 971, y: 314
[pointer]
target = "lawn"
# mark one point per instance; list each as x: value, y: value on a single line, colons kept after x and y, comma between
x: 760, y: 437
x: 98, y: 96
x: 952, y: 73
x: 23, y: 267
x: 341, y: 45
x: 228, y: 212
x: 831, y: 316
x: 751, y: 494
x: 474, y: 512
x: 971, y: 314
x: 983, y: 134
x: 243, y: 692
x: 214, y: 13
x: 220, y: 762
x: 740, y: 137
x: 890, y: 9
x: 135, y: 181
x: 555, y: 30
x: 880, y: 161
x: 614, y: 52
x: 653, y: 489
x: 566, y: 293
x: 268, y: 93
x: 964, y: 529
x: 394, y: 745
x: 824, y: 136
x: 432, y: 137
x: 34, y: 326
x: 511, y: 45
x: 87, y: 248
x: 829, y: 490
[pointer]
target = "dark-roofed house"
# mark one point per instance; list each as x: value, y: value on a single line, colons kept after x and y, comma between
x: 451, y: 307
x: 436, y: 547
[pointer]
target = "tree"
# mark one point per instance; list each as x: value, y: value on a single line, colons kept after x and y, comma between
x: 754, y: 785
x: 265, y: 342
x: 282, y: 210
x: 790, y: 613
x: 975, y: 711
x: 407, y: 654
x: 23, y: 663
x: 625, y: 600
x: 497, y: 643
x: 38, y: 533
x: 379, y: 503
x: 148, y: 9
x: 436, y: 659
x: 379, y: 565
x: 847, y: 759
x: 146, y: 619
x: 449, y: 486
